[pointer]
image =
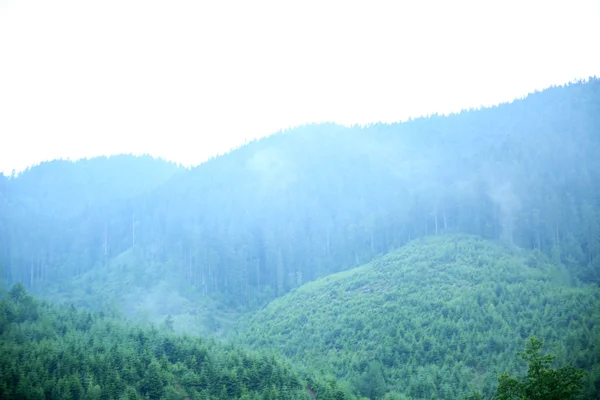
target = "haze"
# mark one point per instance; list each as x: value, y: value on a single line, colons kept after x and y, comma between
x: 187, y: 80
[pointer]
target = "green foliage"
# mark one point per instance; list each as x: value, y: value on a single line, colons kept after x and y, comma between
x: 541, y: 381
x: 298, y: 205
x: 61, y: 353
x: 435, y: 319
x: 441, y: 316
x: 371, y: 383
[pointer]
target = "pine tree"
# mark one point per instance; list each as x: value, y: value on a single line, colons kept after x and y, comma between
x: 541, y: 381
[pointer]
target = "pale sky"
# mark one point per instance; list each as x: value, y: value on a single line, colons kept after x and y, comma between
x: 185, y: 80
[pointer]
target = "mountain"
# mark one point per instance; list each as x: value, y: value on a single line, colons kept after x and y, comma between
x: 241, y: 229
x: 46, y: 212
x: 436, y: 319
x: 63, y: 189
x: 264, y: 219
x: 62, y: 353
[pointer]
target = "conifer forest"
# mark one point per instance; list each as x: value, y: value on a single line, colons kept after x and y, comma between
x: 443, y: 257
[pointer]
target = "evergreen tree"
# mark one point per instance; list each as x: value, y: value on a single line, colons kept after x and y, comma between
x: 541, y: 382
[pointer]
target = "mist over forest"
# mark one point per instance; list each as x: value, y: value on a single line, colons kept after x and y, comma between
x: 410, y: 260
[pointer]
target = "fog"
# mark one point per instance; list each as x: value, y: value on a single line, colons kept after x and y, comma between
x: 195, y: 79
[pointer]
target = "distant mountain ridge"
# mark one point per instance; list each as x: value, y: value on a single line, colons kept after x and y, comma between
x: 253, y: 224
x: 75, y: 185
x: 45, y: 208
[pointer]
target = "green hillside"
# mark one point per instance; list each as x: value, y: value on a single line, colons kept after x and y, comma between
x: 202, y: 247
x: 255, y: 223
x: 143, y: 290
x: 439, y: 318
x: 54, y: 221
x: 49, y: 352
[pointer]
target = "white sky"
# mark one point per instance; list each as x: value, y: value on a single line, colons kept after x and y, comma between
x: 188, y: 79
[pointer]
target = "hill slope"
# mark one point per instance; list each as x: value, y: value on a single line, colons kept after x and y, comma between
x: 323, y: 198
x: 61, y: 353
x: 251, y: 225
x: 436, y: 319
x: 144, y: 290
x: 53, y: 214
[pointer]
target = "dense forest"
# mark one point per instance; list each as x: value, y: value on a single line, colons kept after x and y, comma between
x: 419, y: 255
x: 50, y: 352
x: 323, y: 198
x: 434, y: 320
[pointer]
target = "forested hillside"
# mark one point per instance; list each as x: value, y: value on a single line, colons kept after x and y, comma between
x: 323, y: 198
x: 243, y: 228
x: 46, y: 213
x: 49, y: 352
x: 437, y: 319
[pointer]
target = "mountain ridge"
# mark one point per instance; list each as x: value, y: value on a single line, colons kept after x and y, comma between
x: 249, y: 226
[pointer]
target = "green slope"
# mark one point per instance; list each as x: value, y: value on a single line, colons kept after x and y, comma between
x: 259, y: 221
x: 145, y: 292
x: 54, y: 217
x: 61, y: 353
x: 438, y: 318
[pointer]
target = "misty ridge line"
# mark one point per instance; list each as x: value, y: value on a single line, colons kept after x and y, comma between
x: 430, y: 174
x: 292, y: 128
